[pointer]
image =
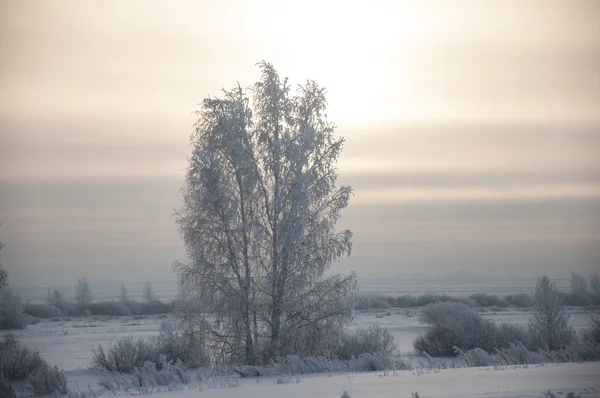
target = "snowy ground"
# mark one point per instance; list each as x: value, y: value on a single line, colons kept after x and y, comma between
x: 68, y: 344
x: 465, y: 383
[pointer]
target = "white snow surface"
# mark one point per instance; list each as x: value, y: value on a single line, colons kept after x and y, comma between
x: 68, y: 344
x: 463, y: 382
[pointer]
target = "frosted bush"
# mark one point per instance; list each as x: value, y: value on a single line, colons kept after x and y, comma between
x: 11, y: 311
x: 16, y: 361
x: 6, y: 389
x: 149, y: 376
x: 48, y: 380
x: 176, y: 342
x: 124, y: 355
x: 457, y: 325
x: 477, y: 357
x: 519, y: 300
x: 374, y: 340
x: 44, y: 311
x: 518, y: 354
x: 432, y: 314
x: 592, y: 333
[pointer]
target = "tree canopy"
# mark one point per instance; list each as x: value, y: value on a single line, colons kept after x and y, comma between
x: 260, y: 204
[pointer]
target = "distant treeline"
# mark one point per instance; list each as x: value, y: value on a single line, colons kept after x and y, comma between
x: 17, y: 314
x: 581, y: 294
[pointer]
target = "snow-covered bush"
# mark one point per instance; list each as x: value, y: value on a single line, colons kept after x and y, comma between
x: 435, y: 313
x: 592, y: 333
x: 48, y: 380
x: 519, y: 300
x: 488, y: 300
x: 154, y: 307
x: 149, y: 375
x: 124, y: 355
x: 579, y: 293
x: 178, y: 343
x: 110, y: 308
x: 509, y: 333
x: 457, y: 325
x: 426, y: 299
x: 519, y: 354
x: 374, y: 340
x: 6, y: 389
x: 371, y: 362
x: 16, y: 361
x: 44, y: 311
x: 476, y: 357
x: 11, y: 311
x: 172, y: 345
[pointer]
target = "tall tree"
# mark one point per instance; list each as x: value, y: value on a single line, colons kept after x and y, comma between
x: 550, y: 320
x: 148, y: 293
x: 123, y: 294
x: 258, y: 221
x: 83, y: 293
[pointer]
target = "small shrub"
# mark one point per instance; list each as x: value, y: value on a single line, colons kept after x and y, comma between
x: 169, y: 374
x: 405, y: 302
x: 487, y: 300
x: 455, y: 325
x: 6, y: 389
x: 124, y: 355
x: 11, y: 311
x: 44, y: 311
x: 374, y: 340
x: 110, y: 308
x: 48, y: 380
x: 477, y: 357
x: 519, y: 300
x: 380, y: 303
x: 178, y: 344
x: 155, y: 307
x: 507, y: 334
x: 134, y: 308
x: 575, y: 300
x: 16, y: 361
x: 432, y: 314
x: 592, y: 333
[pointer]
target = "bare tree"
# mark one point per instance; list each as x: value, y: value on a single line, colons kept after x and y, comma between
x: 83, y: 293
x: 258, y: 221
x: 550, y: 320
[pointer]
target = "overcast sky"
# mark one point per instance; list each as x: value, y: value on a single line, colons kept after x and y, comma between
x: 472, y: 127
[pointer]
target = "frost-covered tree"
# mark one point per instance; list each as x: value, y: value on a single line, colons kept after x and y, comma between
x: 579, y: 289
x: 550, y: 321
x: 123, y: 294
x: 3, y: 273
x: 260, y: 204
x: 148, y: 293
x: 83, y: 293
x: 595, y: 284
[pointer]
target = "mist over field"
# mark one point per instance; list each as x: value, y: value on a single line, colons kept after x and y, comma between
x: 431, y: 201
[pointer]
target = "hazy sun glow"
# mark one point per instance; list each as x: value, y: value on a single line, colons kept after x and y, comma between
x: 458, y: 117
